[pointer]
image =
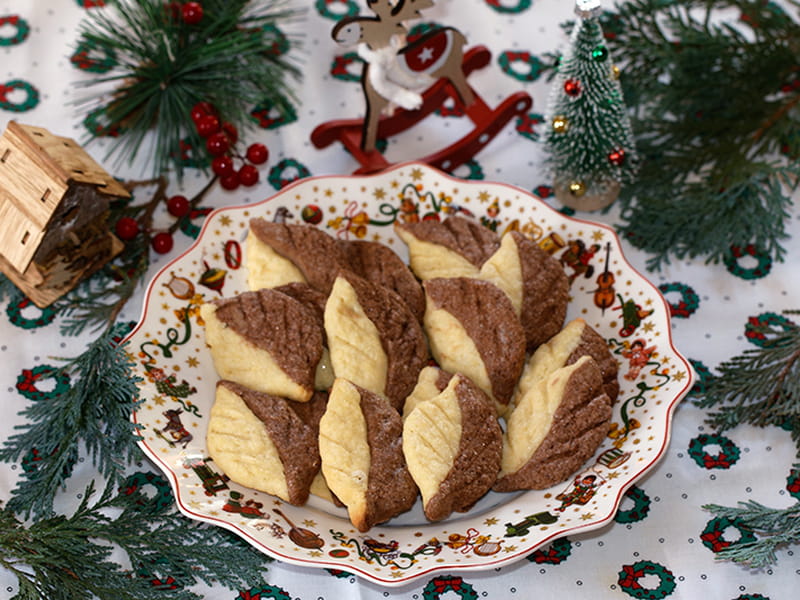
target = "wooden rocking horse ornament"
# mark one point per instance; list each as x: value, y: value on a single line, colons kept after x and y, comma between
x: 393, y: 72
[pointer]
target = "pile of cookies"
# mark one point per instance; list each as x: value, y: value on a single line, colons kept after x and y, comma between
x: 348, y: 374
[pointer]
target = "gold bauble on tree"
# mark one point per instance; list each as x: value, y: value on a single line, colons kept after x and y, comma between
x: 577, y: 188
x: 560, y: 124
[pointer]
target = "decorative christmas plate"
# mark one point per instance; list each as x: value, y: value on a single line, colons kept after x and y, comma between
x: 178, y: 379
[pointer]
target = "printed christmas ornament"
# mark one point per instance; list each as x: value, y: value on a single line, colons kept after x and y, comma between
x: 590, y: 147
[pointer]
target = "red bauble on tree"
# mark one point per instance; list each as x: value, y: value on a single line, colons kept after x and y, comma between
x: 572, y: 88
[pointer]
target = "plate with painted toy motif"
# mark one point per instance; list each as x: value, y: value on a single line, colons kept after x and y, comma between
x: 178, y: 380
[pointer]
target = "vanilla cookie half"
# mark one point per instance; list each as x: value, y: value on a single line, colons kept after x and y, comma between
x: 453, y: 445
x: 555, y: 428
x: 362, y: 455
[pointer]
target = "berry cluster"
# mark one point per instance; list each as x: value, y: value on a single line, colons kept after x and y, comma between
x: 127, y: 228
x: 221, y: 137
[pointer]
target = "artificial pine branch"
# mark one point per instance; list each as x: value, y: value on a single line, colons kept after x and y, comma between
x: 761, y: 386
x: 716, y: 115
x: 93, y: 415
x: 774, y: 528
x: 162, y: 66
x: 70, y: 557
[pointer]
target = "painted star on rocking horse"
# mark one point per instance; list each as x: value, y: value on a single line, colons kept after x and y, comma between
x: 404, y: 81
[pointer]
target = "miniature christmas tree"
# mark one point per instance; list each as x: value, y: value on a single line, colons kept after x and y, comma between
x: 590, y: 142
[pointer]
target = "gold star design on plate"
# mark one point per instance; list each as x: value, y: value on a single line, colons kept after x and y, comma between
x: 416, y: 174
x: 598, y: 235
x: 490, y: 521
x: 158, y: 400
x: 612, y: 475
x: 225, y: 220
x: 587, y: 516
x: 379, y: 193
x: 484, y: 196
x: 192, y: 361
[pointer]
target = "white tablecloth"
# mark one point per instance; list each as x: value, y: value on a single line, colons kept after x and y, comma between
x: 669, y: 534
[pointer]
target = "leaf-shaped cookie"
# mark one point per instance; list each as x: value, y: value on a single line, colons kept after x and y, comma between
x: 455, y: 247
x: 453, y: 445
x: 575, y: 340
x: 362, y: 455
x: 380, y: 264
x: 266, y: 442
x: 265, y: 340
x: 555, y: 428
x: 374, y: 339
x: 277, y: 253
x: 472, y: 329
x: 534, y: 281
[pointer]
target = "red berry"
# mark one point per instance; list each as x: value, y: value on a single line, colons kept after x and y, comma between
x: 257, y: 153
x: 230, y: 182
x: 248, y: 175
x: 207, y: 125
x: 192, y: 13
x: 217, y: 144
x: 178, y: 206
x: 201, y: 109
x: 127, y: 228
x: 162, y: 242
x: 231, y: 131
x: 222, y: 165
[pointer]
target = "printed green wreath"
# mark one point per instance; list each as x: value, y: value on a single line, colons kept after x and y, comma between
x: 26, y: 382
x: 630, y: 575
x: 712, y: 535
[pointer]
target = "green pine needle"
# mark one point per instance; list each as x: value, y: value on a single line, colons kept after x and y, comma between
x: 93, y: 415
x: 70, y: 557
x: 162, y: 67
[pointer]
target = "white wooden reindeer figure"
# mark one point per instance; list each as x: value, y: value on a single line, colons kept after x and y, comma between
x: 394, y: 70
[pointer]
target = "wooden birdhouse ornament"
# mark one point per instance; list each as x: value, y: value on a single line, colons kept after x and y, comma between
x: 54, y: 204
